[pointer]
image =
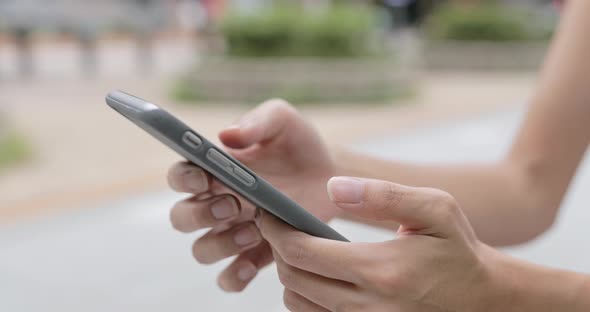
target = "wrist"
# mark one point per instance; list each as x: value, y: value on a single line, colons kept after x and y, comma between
x: 516, y: 285
x: 582, y: 301
x: 488, y: 291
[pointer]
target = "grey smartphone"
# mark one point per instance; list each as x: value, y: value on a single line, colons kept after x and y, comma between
x: 197, y: 149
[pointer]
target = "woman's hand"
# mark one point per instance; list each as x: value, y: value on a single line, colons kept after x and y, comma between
x: 275, y: 142
x: 435, y: 264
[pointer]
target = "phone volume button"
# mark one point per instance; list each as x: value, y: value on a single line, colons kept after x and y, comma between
x: 243, y: 176
x: 220, y: 160
x: 230, y: 167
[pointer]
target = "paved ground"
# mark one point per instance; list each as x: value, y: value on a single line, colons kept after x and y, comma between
x: 122, y: 255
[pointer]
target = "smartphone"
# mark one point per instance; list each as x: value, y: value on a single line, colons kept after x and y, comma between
x: 198, y: 150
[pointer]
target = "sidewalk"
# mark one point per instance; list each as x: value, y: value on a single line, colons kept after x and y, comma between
x: 86, y: 153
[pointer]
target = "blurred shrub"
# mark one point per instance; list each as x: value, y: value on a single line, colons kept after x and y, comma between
x: 13, y: 148
x: 325, y: 55
x: 487, y: 21
x: 289, y: 31
x: 300, y: 80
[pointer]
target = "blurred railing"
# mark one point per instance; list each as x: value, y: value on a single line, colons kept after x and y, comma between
x: 84, y: 20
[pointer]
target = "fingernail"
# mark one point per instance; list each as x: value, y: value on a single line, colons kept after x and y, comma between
x: 247, y: 273
x: 224, y: 208
x: 346, y: 190
x: 196, y: 180
x: 246, y: 236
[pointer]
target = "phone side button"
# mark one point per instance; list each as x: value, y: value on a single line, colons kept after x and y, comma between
x: 220, y: 160
x: 244, y: 177
x: 191, y: 140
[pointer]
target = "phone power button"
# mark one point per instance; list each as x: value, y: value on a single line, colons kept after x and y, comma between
x: 191, y: 140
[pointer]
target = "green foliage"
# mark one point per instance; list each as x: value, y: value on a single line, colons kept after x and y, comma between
x: 182, y: 91
x: 289, y: 31
x: 264, y: 34
x: 196, y: 91
x: 488, y: 21
x: 13, y: 148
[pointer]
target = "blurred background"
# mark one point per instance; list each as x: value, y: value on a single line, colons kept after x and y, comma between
x: 83, y: 200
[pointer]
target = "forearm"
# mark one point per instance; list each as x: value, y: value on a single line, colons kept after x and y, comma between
x: 494, y: 196
x: 516, y: 285
x: 516, y: 199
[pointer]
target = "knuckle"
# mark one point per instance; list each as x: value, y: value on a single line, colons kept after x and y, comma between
x: 182, y: 216
x: 348, y: 307
x: 381, y: 280
x: 182, y: 172
x: 206, y: 251
x: 291, y: 300
x: 175, y: 216
x: 287, y: 276
x: 393, y: 196
x: 445, y: 199
x: 281, y: 106
x: 446, y: 205
x: 279, y: 103
x: 229, y: 285
x: 388, y: 198
x: 368, y: 276
x: 389, y: 284
x: 198, y: 254
x: 295, y: 252
x: 173, y: 175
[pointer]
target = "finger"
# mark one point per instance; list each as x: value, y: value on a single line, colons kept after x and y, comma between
x: 323, y: 291
x: 244, y: 268
x: 217, y: 188
x: 297, y: 303
x: 192, y: 214
x: 263, y: 123
x: 214, y: 246
x: 424, y: 210
x: 329, y: 258
x: 188, y: 178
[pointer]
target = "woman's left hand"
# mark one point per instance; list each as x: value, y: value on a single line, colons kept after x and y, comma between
x: 436, y: 263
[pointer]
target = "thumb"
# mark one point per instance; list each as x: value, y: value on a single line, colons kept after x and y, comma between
x: 262, y: 124
x: 416, y: 209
